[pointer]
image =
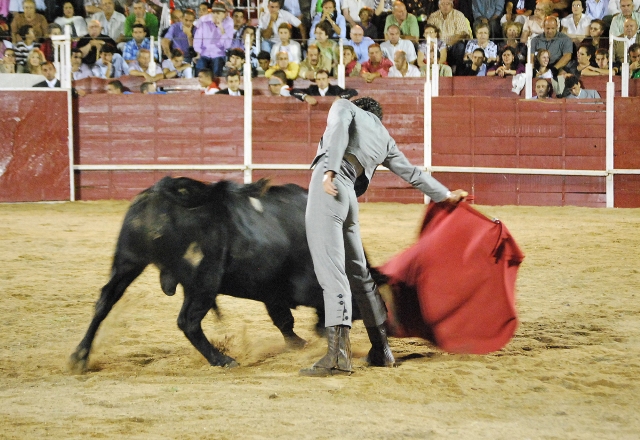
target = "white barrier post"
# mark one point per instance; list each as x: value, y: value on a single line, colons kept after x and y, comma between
x: 611, y: 88
x: 435, y: 69
x: 248, y: 108
x: 341, y: 71
x: 528, y: 70
x: 152, y: 64
x: 427, y: 115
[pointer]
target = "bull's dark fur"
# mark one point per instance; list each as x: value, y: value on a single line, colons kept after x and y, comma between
x: 248, y: 250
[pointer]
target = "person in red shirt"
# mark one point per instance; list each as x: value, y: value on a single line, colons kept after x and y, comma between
x: 377, y: 66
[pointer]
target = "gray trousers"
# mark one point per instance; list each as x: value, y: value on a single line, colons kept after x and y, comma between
x: 333, y: 234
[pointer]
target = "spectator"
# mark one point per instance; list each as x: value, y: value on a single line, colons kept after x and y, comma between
x: 541, y: 66
x: 634, y: 58
x: 316, y: 8
x: 301, y: 12
x: 475, y: 66
x: 29, y: 17
x: 143, y: 67
x: 602, y: 61
x: 269, y: 23
x: 366, y: 22
x: 290, y: 68
x: 286, y: 45
x: 329, y: 48
x: 627, y: 11
x: 8, y: 64
x: 208, y: 83
x: 482, y: 41
x: 595, y: 38
x: 278, y: 85
x: 576, y: 25
x: 488, y: 12
x: 49, y: 72
x: 180, y: 36
x: 360, y: 43
x: 351, y: 65
x: 176, y: 66
x: 203, y: 10
x: 407, y: 23
x: 314, y: 62
x: 139, y: 42
x: 235, y: 62
x: 176, y: 16
x: 111, y: 64
x: 432, y: 31
x: 395, y: 43
x: 239, y: 17
x: 34, y: 62
x: 46, y: 44
x: 508, y: 64
x: 614, y: 7
x: 77, y: 23
x: 377, y: 66
x: 511, y: 31
x: 111, y: 20
x: 141, y: 16
x: 116, y: 88
x: 337, y: 27
x: 149, y: 88
x: 401, y: 68
x: 534, y: 26
x: 630, y: 34
x: 543, y: 89
x: 25, y: 45
x: 213, y: 38
x: 439, y: 54
x: 233, y: 84
x: 351, y: 11
x: 572, y: 84
x: 382, y: 10
x: 322, y: 88
x: 79, y: 70
x: 264, y: 61
x: 560, y: 46
x: 454, y: 27
x: 586, y: 63
x: 597, y: 8
x: 92, y: 43
x: 524, y: 9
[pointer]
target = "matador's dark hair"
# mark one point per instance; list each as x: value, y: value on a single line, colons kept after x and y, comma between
x: 370, y: 105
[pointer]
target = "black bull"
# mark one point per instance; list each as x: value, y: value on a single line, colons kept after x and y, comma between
x: 247, y: 241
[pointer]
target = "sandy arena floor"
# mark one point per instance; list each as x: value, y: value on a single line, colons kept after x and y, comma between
x: 571, y: 372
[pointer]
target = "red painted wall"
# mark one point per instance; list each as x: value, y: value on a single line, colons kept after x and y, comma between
x: 34, y: 152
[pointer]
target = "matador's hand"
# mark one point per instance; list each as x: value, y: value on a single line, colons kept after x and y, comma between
x: 456, y: 196
x: 328, y: 185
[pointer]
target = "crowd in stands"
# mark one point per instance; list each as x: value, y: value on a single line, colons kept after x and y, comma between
x: 303, y: 40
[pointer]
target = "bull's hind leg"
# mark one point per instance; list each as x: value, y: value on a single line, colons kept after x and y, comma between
x: 283, y: 319
x: 194, y: 309
x: 122, y: 275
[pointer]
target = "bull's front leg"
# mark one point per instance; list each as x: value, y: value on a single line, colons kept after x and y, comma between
x: 194, y: 309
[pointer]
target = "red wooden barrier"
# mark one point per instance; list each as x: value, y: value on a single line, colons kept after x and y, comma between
x: 34, y: 152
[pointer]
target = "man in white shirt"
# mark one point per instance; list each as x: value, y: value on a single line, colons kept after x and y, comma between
x: 402, y: 69
x: 395, y: 43
x: 269, y: 23
x: 597, y: 8
x: 112, y: 22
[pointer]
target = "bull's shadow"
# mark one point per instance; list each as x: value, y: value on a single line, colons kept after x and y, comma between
x: 247, y: 241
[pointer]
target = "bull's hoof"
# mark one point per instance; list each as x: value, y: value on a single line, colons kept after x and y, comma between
x: 295, y: 342
x: 225, y: 361
x: 78, y: 362
x: 232, y: 364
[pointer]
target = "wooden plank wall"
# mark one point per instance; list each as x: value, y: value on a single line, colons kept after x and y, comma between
x: 34, y: 152
x: 468, y: 131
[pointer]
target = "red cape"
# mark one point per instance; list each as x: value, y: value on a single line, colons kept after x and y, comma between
x: 456, y: 285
